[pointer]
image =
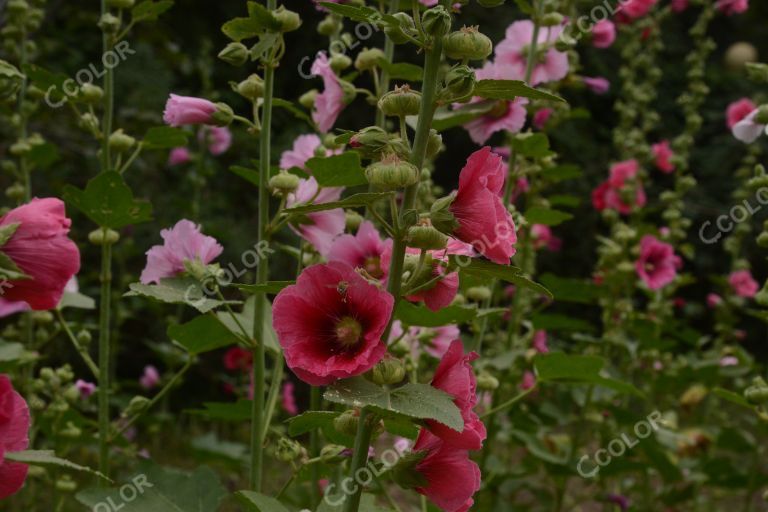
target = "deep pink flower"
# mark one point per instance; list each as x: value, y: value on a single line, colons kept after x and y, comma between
x: 14, y: 437
x: 749, y: 129
x: 452, y: 478
x: 442, y: 293
x: 738, y: 110
x: 529, y: 380
x: 543, y: 238
x: 11, y: 307
x: 609, y: 193
x: 41, y: 249
x: 597, y: 85
x: 288, y: 399
x: 540, y: 341
x: 541, y: 117
x: 663, y: 155
x: 455, y: 376
x: 365, y: 250
x: 303, y: 149
x: 85, y: 388
x: 483, y: 220
x: 714, y: 300
x: 330, y: 102
x: 731, y: 7
x: 238, y: 359
x: 183, y: 242
x: 603, y: 34
x: 185, y: 110
x: 658, y: 263
x: 330, y: 323
x: 743, y: 284
x: 318, y: 228
x: 217, y: 138
x: 178, y: 156
x: 512, y: 54
x: 150, y: 378
x: 633, y: 9
x: 679, y: 6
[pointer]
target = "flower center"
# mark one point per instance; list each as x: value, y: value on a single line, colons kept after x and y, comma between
x: 348, y: 331
x: 372, y: 266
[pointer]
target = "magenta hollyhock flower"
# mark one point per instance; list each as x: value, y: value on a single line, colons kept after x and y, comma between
x: 483, y: 220
x: 318, y: 228
x: 603, y: 34
x: 150, y: 378
x: 217, y: 138
x: 663, y: 156
x: 288, y: 399
x: 238, y: 359
x: 85, y: 388
x: 748, y: 129
x: 540, y: 341
x: 731, y: 7
x: 178, y: 156
x: 608, y: 194
x: 186, y: 110
x: 442, y: 293
x: 633, y: 9
x: 597, y: 85
x: 529, y: 380
x: 455, y: 376
x: 183, y: 242
x: 330, y: 323
x: 512, y: 54
x: 303, y: 149
x: 738, y: 110
x: 658, y: 263
x: 441, y: 339
x: 42, y: 250
x: 14, y: 437
x: 541, y: 117
x: 452, y: 478
x: 330, y: 102
x: 743, y: 284
x: 713, y: 300
x: 365, y: 250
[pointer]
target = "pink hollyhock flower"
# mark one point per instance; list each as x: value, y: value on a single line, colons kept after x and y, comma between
x: 178, y: 156
x: 743, y: 284
x: 303, y: 149
x: 150, y: 379
x: 609, y: 193
x: 658, y: 264
x: 288, y: 399
x: 714, y: 300
x: 529, y: 381
x: 238, y: 359
x: 183, y: 242
x: 85, y: 388
x: 543, y: 237
x: 14, y: 437
x: 483, y: 220
x: 541, y: 117
x: 442, y: 293
x: 603, y: 34
x: 663, y: 155
x: 738, y: 110
x: 729, y: 361
x: 330, y: 323
x: 731, y: 7
x: 217, y: 138
x: 320, y: 228
x: 364, y: 250
x: 11, y: 307
x: 455, y: 376
x: 330, y: 102
x: 512, y: 54
x: 540, y: 341
x: 41, y: 249
x: 679, y: 6
x: 186, y: 110
x: 507, y: 116
x: 597, y: 85
x: 748, y: 129
x: 441, y: 339
x: 451, y: 477
x: 633, y: 9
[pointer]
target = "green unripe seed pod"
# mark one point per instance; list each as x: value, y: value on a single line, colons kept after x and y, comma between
x: 467, y: 43
x: 307, y: 100
x: 401, y: 102
x: 388, y: 371
x: 399, y: 34
x: 251, y: 88
x: 100, y: 237
x: 426, y: 237
x: 120, y: 141
x: 368, y: 59
x: 284, y: 183
x: 392, y: 173
x: 347, y: 422
x: 289, y: 20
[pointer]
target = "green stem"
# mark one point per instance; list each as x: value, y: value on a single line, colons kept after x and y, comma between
x: 534, y: 44
x: 104, y: 353
x: 315, y: 403
x: 80, y: 349
x: 508, y: 403
x: 389, y: 52
x: 360, y: 458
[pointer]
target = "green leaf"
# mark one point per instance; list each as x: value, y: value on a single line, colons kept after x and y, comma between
x: 511, y: 89
x: 48, y: 81
x: 419, y: 401
x: 342, y: 170
x: 48, y: 458
x: 293, y: 109
x: 76, y: 300
x: 42, y: 156
x: 270, y: 287
x: 210, y: 445
x: 108, y: 202
x: 560, y: 367
x: 7, y: 231
x: 449, y: 118
x: 562, y: 172
x: 249, y: 175
x: 177, y: 290
x: 546, y: 216
x: 732, y: 397
x: 165, y: 137
x: 566, y: 200
x: 267, y: 41
x: 483, y: 269
x: 353, y: 201
x: 556, y: 322
x: 259, y: 502
x: 202, y: 334
x: 533, y: 145
x: 225, y: 411
x: 355, y: 13
x: 238, y: 29
x: 149, y: 10
x: 402, y: 70
x: 525, y: 6
x: 413, y: 314
x: 309, y: 421
x: 565, y: 289
x: 263, y: 15
x: 10, y: 352
x: 160, y: 489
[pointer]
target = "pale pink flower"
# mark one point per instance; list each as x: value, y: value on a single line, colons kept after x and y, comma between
x: 731, y: 7
x: 330, y: 102
x: 303, y: 149
x: 183, y: 242
x: 658, y: 263
x: 318, y: 228
x: 178, y: 156
x: 743, y: 284
x: 729, y: 361
x: 186, y: 110
x: 598, y: 84
x: 633, y: 9
x: 543, y: 238
x: 603, y: 34
x: 506, y: 116
x: 150, y: 378
x: 217, y: 138
x: 11, y: 307
x: 749, y: 129
x: 512, y: 54
x: 86, y: 389
x: 738, y: 110
x: 663, y: 155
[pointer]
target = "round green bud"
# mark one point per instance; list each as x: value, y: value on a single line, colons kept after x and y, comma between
x: 121, y: 4
x: 339, y: 62
x: 434, y: 144
x: 307, y: 100
x: 42, y: 317
x: 72, y: 393
x: 84, y: 338
x: 223, y: 115
x: 370, y: 140
x: 565, y: 43
x: 436, y: 21
x: 467, y: 44
x: 401, y: 102
x: 137, y: 405
x: 552, y: 19
x: 289, y: 20
x: 71, y: 431
x: 399, y: 34
x: 426, y: 237
x: 235, y: 54
x: 368, y: 59
x: 762, y: 114
x: 10, y: 80
x: 89, y: 122
x: 20, y: 148
x: 109, y: 23
x: 329, y: 26
x: 332, y: 453
x: 101, y: 237
x: 479, y: 293
x: 283, y: 183
x: 66, y: 484
x: 16, y: 191
x: 392, y: 173
x: 251, y: 88
x: 460, y: 81
x: 17, y: 7
x: 757, y: 393
x: 347, y: 422
x: 91, y: 93
x: 287, y: 449
x: 487, y: 382
x: 352, y: 220
x: 120, y: 141
x: 388, y: 371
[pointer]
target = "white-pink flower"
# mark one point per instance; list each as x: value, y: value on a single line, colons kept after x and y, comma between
x: 304, y: 148
x: 749, y: 129
x: 150, y: 378
x: 512, y: 53
x: 179, y: 156
x: 183, y: 242
x: 318, y: 228
x: 330, y: 102
x: 598, y: 84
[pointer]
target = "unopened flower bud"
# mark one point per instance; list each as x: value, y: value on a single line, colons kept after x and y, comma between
x: 223, y: 115
x: 72, y: 393
x: 392, y: 173
x: 434, y: 145
x: 331, y: 453
x: 235, y: 54
x: 339, y: 62
x: 487, y: 382
x: 17, y: 6
x: 693, y: 395
x: 307, y: 100
x: 101, y: 236
x: 91, y: 93
x: 136, y: 406
x: 467, y: 44
x: 284, y: 183
x: 251, y: 88
x: 388, y: 371
x: 347, y: 422
x: 399, y: 34
x: 65, y: 484
x: 16, y: 191
x: 479, y: 293
x: 460, y: 81
x: 436, y: 21
x: 757, y: 393
x: 287, y: 449
x: 89, y: 122
x: 370, y: 140
x: 109, y: 23
x: 762, y: 115
x: 401, y: 102
x: 565, y: 43
x: 289, y: 20
x: 84, y: 338
x: 10, y: 80
x: 368, y: 59
x: 20, y: 148
x: 757, y: 71
x: 552, y: 19
x: 352, y: 220
x: 329, y: 26
x: 120, y: 141
x: 426, y: 237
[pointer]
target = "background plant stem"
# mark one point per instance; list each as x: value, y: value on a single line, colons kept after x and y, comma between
x: 360, y: 457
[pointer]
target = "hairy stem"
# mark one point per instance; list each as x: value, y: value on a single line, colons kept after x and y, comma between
x: 360, y: 458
